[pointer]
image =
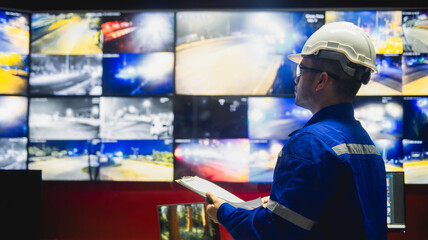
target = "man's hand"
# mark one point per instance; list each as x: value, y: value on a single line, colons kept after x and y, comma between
x: 265, y: 200
x: 214, y: 204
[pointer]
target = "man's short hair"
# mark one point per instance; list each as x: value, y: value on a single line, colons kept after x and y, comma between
x: 346, y: 87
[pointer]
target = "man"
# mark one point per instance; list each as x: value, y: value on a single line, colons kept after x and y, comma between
x: 329, y: 181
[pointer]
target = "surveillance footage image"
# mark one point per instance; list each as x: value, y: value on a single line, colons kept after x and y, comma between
x: 60, y: 159
x: 381, y: 117
x: 263, y: 157
x: 223, y: 160
x: 388, y: 80
x: 391, y: 152
x: 274, y: 118
x: 13, y: 117
x: 66, y: 33
x: 14, y: 50
x: 415, y: 143
x: 138, y: 74
x: 13, y: 153
x: 138, y: 32
x: 240, y: 53
x: 383, y: 27
x: 415, y: 74
x: 64, y: 118
x: 415, y: 31
x: 210, y: 117
x: 66, y: 74
x: 129, y: 118
x: 134, y: 160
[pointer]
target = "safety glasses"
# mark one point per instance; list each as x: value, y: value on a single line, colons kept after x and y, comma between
x: 301, y: 69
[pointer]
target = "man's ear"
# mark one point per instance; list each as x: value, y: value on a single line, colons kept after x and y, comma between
x: 322, y: 81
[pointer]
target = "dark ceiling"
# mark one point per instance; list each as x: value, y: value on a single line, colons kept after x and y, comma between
x: 45, y: 5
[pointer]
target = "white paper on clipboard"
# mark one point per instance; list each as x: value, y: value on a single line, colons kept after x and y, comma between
x: 202, y: 186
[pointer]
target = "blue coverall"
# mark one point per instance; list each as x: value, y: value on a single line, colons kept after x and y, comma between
x: 329, y: 183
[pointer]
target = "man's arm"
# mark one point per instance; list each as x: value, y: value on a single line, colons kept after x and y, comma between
x: 303, y: 181
x: 214, y: 204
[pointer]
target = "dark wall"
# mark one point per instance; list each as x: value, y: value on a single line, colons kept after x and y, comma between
x: 20, y: 204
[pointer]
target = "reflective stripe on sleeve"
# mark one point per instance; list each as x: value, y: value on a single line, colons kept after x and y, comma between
x: 290, y: 215
x: 350, y: 148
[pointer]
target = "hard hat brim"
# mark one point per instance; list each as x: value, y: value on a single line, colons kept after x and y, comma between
x: 297, y: 58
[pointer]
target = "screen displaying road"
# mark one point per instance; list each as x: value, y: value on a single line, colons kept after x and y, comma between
x: 240, y: 53
x: 136, y: 118
x: 66, y: 74
x: 135, y: 160
x: 60, y: 159
x: 138, y: 74
x: 415, y: 31
x: 415, y: 74
x: 64, y: 118
x: 415, y: 161
x: 14, y: 50
x: 66, y: 33
x: 274, y: 117
x: 222, y: 160
x: 138, y: 32
x: 388, y: 80
x: 263, y: 156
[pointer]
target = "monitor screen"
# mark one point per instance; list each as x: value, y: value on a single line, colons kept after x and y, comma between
x: 75, y: 118
x: 415, y: 161
x: 134, y: 160
x: 415, y: 74
x: 65, y: 74
x: 13, y: 117
x: 130, y: 118
x: 240, y: 53
x: 13, y: 153
x: 383, y: 27
x: 274, y: 118
x: 391, y: 152
x: 415, y: 118
x: 222, y: 160
x: 415, y: 31
x: 381, y: 117
x: 66, y: 33
x: 395, y: 205
x: 263, y: 157
x: 138, y: 74
x: 210, y: 117
x: 186, y: 221
x: 388, y: 80
x: 60, y: 159
x: 14, y: 50
x: 138, y: 32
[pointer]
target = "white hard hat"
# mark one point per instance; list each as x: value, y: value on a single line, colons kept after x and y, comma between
x: 350, y: 41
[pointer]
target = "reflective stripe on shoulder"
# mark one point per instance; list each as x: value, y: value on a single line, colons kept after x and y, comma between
x: 351, y: 148
x: 290, y: 215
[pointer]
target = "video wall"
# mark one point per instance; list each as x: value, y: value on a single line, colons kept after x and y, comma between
x: 154, y: 96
